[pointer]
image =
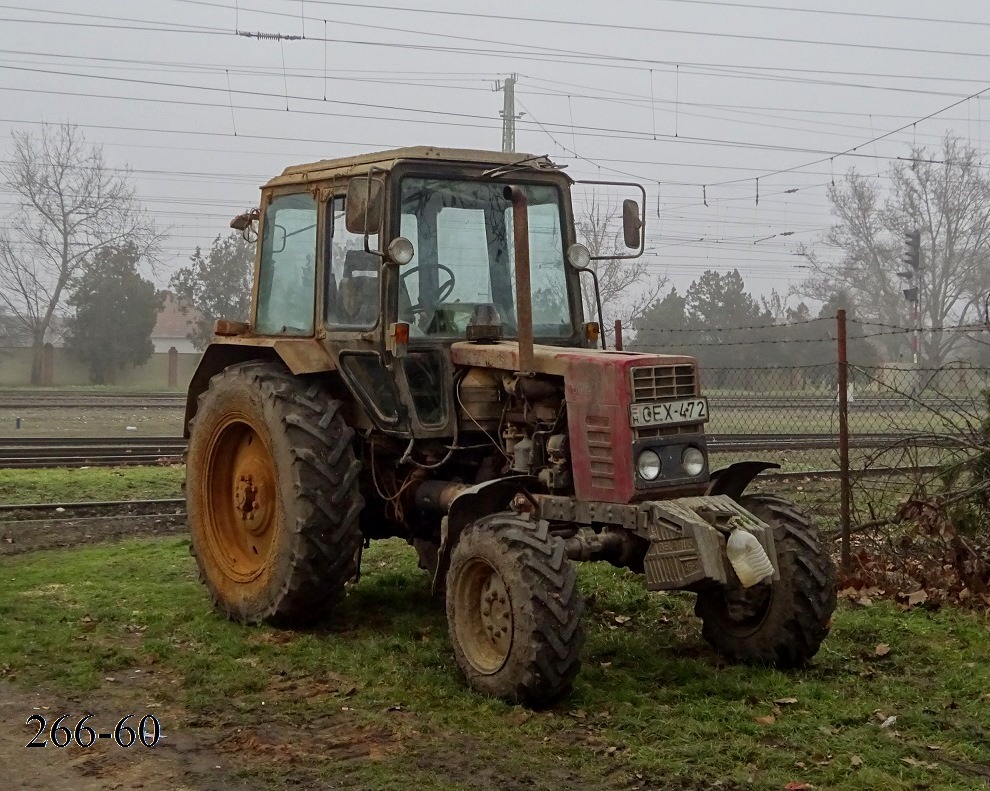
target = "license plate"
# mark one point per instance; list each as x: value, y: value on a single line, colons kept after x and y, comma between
x: 667, y: 413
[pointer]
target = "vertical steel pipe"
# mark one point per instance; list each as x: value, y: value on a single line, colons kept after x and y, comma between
x: 844, y: 482
x: 524, y: 294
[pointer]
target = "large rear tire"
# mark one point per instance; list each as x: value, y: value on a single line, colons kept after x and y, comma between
x: 272, y: 495
x: 782, y: 624
x: 514, y: 610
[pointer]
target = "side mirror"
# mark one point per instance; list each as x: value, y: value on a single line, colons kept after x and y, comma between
x: 247, y: 224
x: 632, y: 223
x: 363, y: 206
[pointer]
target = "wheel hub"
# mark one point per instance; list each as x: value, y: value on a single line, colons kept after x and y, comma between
x: 484, y: 620
x: 496, y: 618
x: 242, y: 498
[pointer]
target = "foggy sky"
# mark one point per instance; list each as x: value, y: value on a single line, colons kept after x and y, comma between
x: 738, y: 107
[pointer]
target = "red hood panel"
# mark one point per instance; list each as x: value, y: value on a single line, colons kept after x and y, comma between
x: 598, y: 393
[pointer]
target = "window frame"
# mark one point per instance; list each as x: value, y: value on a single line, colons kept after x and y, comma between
x: 267, y: 202
x: 571, y: 277
x: 327, y: 249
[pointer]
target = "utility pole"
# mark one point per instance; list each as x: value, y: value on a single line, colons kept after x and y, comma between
x: 508, y: 113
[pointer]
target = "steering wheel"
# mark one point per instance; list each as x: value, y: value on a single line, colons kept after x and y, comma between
x: 445, y: 290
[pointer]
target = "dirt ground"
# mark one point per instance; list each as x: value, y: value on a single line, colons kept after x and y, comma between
x: 192, y: 755
x: 180, y: 756
x: 17, y: 537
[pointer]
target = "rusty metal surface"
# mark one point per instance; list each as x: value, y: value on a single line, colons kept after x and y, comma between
x: 229, y: 327
x: 304, y: 355
x: 524, y: 294
x: 344, y: 167
x: 301, y: 355
x: 547, y: 359
x: 569, y: 509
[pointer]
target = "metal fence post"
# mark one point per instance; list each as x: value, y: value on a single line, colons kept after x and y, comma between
x: 843, y: 365
x: 618, y: 335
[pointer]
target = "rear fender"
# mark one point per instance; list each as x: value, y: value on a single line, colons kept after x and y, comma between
x: 734, y: 479
x: 300, y: 355
x: 217, y: 357
x: 481, y: 500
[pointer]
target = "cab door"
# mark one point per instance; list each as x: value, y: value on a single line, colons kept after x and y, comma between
x: 285, y: 297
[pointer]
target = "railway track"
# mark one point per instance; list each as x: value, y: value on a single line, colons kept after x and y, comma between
x: 35, y: 526
x: 130, y: 451
x: 89, y: 451
x: 34, y: 399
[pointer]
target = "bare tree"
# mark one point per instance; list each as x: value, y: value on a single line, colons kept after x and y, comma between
x: 944, y: 194
x: 627, y: 287
x: 70, y: 204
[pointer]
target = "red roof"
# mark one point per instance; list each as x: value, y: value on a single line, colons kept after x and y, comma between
x: 172, y: 322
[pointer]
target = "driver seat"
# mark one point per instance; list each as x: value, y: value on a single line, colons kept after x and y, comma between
x: 357, y: 294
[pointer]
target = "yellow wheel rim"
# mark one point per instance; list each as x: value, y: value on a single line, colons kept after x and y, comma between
x: 483, y: 616
x: 241, y: 499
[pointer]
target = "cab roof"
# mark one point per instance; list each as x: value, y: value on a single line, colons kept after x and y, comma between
x: 349, y: 166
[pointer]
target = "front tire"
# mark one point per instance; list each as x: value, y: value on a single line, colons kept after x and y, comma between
x: 514, y: 610
x: 784, y: 623
x: 272, y: 495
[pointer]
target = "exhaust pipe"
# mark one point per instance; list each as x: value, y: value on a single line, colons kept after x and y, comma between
x: 524, y: 298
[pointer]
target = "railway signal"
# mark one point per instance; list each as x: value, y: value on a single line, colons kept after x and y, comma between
x: 912, y: 274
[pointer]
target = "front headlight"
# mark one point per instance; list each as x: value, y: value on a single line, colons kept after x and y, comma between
x: 648, y: 465
x: 693, y: 461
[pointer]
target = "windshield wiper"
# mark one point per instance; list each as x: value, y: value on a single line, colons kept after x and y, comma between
x: 526, y: 163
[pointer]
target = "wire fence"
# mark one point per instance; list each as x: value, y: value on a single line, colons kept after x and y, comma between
x: 896, y: 442
x: 898, y: 438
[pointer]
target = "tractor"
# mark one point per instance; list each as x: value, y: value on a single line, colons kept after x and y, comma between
x: 417, y: 364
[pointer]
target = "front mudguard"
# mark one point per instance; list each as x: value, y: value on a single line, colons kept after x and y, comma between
x: 734, y: 479
x: 473, y: 503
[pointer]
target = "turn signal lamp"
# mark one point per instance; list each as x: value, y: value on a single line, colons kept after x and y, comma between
x: 592, y: 332
x: 400, y: 339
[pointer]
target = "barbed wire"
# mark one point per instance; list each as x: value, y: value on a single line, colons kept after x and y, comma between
x: 887, y: 330
x: 782, y: 325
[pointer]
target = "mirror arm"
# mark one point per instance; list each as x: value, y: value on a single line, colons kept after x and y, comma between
x: 598, y: 295
x: 642, y: 220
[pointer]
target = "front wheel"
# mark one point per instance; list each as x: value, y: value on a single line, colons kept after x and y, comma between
x: 514, y: 611
x: 782, y: 623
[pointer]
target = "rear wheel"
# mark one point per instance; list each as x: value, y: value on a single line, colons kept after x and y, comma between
x: 514, y: 611
x: 272, y: 495
x: 785, y: 622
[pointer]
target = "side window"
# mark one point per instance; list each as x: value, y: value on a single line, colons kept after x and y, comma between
x: 352, y: 277
x: 287, y: 276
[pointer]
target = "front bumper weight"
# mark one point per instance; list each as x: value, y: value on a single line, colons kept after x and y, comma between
x: 687, y: 540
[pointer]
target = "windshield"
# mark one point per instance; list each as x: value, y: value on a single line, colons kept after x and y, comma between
x: 462, y: 233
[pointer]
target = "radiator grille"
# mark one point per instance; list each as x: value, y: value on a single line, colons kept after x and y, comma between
x: 652, y: 383
x: 662, y: 382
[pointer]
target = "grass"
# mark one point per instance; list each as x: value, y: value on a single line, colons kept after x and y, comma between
x: 652, y: 708
x: 88, y: 484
